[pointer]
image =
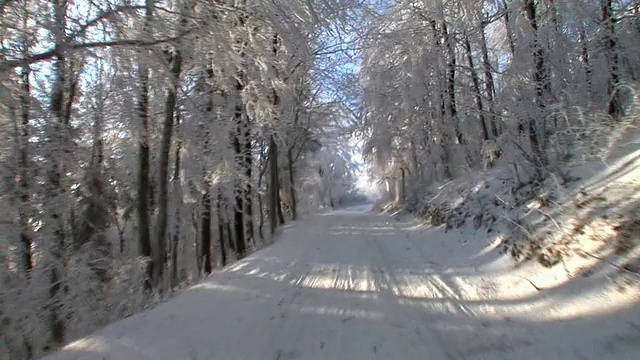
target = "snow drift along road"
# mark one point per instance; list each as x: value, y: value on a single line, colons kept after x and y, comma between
x: 325, y: 290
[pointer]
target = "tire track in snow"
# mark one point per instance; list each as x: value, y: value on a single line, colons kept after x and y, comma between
x: 439, y: 281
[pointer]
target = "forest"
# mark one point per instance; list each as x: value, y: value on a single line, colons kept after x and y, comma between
x: 146, y: 143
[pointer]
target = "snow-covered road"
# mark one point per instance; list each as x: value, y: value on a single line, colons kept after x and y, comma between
x: 325, y: 290
x: 347, y: 284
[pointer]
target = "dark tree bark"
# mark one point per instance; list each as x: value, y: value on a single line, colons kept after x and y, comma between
x: 144, y: 165
x: 507, y: 25
x: 443, y: 140
x: 541, y: 82
x: 476, y: 88
x: 152, y: 190
x: 205, y: 231
x: 238, y: 211
x: 417, y: 167
x: 175, y: 60
x: 451, y: 82
x: 273, y: 184
x: 241, y: 126
x: 204, y: 255
x: 248, y: 173
x: 540, y: 75
x: 291, y: 160
x: 402, y: 190
x: 22, y: 136
x: 221, y: 225
x: 175, y: 281
x: 56, y: 190
x: 276, y: 214
x: 614, y: 106
x: 228, y: 223
x: 488, y: 79
x: 281, y: 219
x: 263, y: 166
x: 261, y: 219
x: 24, y: 173
x: 196, y: 223
x: 586, y: 62
x: 292, y: 185
x: 239, y: 189
x: 227, y: 226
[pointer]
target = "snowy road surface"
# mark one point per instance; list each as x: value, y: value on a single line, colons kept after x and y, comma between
x: 324, y: 290
x: 347, y: 284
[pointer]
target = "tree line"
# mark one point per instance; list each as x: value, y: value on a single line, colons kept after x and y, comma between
x: 146, y: 143
x: 450, y: 85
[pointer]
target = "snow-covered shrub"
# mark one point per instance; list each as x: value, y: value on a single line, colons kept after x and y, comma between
x: 88, y: 303
x: 490, y: 153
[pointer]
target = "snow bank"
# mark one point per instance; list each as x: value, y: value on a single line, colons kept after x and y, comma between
x: 548, y: 270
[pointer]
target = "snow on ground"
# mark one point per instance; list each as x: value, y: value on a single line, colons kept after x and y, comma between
x: 325, y: 290
x: 496, y: 312
x: 351, y: 284
x: 587, y: 304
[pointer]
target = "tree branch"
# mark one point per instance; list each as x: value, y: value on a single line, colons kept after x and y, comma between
x: 621, y: 268
x: 10, y: 64
x: 105, y: 14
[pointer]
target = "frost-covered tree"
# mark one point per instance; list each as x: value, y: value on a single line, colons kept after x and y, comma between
x: 148, y: 142
x: 449, y: 85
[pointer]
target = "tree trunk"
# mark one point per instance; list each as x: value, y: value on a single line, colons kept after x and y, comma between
x: 540, y: 75
x: 241, y: 128
x: 273, y: 184
x: 400, y: 184
x: 205, y: 249
x: 417, y: 168
x: 281, y: 219
x: 586, y: 63
x: 22, y: 137
x: 443, y: 139
x: 275, y: 177
x: 223, y: 248
x: 292, y: 186
x: 239, y: 189
x: 56, y: 190
x: 333, y: 206
x: 451, y: 78
x: 488, y: 80
x: 541, y: 83
x: 476, y: 88
x: 144, y: 183
x: 175, y: 281
x: 261, y: 219
x: 230, y: 242
x: 229, y: 225
x: 196, y: 223
x: 614, y: 106
x: 238, y: 224
x: 23, y: 173
x: 263, y: 169
x: 175, y: 61
x: 238, y: 211
x: 507, y: 26
x: 248, y: 173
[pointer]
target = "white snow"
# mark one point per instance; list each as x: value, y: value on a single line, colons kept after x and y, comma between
x: 352, y: 284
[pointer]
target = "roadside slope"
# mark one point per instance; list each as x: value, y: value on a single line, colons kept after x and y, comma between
x: 542, y: 270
